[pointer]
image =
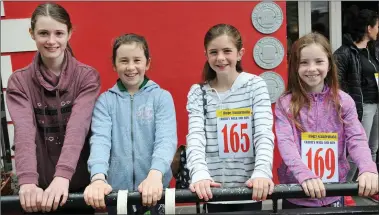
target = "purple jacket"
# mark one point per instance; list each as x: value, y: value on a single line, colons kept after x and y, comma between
x: 321, y: 117
x: 52, y: 116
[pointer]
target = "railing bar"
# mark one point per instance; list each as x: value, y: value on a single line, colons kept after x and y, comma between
x: 76, y: 200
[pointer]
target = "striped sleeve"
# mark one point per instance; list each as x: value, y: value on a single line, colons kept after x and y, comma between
x: 196, y: 141
x: 262, y: 126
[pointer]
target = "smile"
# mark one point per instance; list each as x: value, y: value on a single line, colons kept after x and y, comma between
x: 222, y: 65
x: 312, y: 76
x: 131, y: 75
x: 51, y: 48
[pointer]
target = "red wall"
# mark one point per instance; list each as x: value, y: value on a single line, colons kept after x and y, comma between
x: 174, y: 31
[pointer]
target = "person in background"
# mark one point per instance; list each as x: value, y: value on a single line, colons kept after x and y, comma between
x: 229, y: 150
x: 358, y: 66
x: 317, y: 122
x: 134, y: 132
x: 51, y: 102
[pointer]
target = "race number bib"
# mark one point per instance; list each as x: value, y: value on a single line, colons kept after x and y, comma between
x: 319, y: 151
x: 234, y: 133
x: 377, y: 78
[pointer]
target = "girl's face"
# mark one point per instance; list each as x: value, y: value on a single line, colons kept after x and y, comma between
x: 313, y: 67
x: 131, y: 65
x: 51, y: 37
x: 222, y: 54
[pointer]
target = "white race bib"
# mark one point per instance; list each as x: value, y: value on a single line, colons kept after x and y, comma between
x: 319, y: 151
x: 234, y: 133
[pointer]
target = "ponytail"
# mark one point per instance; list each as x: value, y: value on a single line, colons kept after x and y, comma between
x: 69, y: 49
x: 239, y: 66
x: 208, y: 73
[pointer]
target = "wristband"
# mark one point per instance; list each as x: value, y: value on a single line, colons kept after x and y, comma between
x: 99, y: 179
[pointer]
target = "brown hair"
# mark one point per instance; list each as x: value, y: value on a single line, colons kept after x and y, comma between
x: 296, y: 85
x: 128, y: 39
x: 56, y: 12
x: 216, y: 31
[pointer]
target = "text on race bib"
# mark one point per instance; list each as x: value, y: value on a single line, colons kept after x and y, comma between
x: 319, y: 151
x: 234, y: 133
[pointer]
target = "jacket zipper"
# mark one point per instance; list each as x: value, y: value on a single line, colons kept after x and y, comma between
x: 372, y: 64
x: 317, y: 101
x: 317, y: 112
x: 131, y: 130
x: 221, y: 107
x: 223, y: 161
x: 368, y: 57
x: 360, y: 89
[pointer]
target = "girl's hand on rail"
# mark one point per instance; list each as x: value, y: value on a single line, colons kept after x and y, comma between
x: 151, y: 188
x: 261, y: 188
x: 95, y: 192
x: 314, y: 188
x: 57, y: 189
x: 368, y: 184
x: 203, y: 188
x: 30, y: 197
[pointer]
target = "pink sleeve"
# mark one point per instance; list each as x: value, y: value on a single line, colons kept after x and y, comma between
x: 288, y: 148
x: 356, y: 139
x: 78, y: 125
x: 21, y: 111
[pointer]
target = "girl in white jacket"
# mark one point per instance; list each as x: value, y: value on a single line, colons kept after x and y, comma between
x: 230, y: 141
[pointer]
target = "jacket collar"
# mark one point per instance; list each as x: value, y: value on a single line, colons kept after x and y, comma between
x: 321, y: 95
x: 47, y: 80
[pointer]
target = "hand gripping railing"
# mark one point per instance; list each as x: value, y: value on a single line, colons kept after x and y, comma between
x: 172, y: 196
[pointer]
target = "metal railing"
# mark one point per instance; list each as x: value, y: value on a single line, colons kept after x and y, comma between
x: 76, y: 200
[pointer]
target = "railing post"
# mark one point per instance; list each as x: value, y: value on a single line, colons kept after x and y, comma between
x: 275, y: 205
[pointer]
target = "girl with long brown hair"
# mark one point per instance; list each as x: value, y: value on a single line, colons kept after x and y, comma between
x: 315, y: 124
x: 51, y: 102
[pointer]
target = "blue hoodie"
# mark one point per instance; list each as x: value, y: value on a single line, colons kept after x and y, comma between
x: 132, y: 135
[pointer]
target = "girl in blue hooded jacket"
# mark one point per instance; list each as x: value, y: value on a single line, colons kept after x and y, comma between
x: 134, y: 130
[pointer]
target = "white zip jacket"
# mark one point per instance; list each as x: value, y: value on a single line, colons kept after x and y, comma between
x: 203, y: 159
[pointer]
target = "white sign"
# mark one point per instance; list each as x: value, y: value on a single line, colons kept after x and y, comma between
x: 6, y: 69
x: 15, y: 36
x: 234, y: 133
x: 319, y: 151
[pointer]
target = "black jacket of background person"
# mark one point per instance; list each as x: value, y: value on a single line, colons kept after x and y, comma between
x: 350, y: 70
